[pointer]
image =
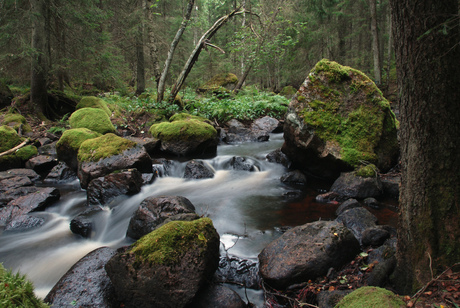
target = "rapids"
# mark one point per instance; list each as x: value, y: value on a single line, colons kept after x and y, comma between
x: 247, y: 209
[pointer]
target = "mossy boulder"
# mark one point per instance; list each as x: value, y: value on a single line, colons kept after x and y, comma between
x: 17, y: 121
x: 371, y: 297
x: 338, y: 120
x: 93, y: 102
x: 219, y: 83
x: 108, y: 153
x: 168, y: 266
x: 94, y: 119
x: 288, y: 91
x: 68, y: 145
x: 186, y: 136
x: 9, y: 138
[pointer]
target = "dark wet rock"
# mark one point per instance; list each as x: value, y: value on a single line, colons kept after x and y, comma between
x: 86, y: 284
x: 213, y: 296
x: 330, y: 197
x: 278, y: 157
x: 381, y: 272
x: 371, y: 202
x: 14, y: 193
x: 42, y: 163
x: 238, y: 271
x: 155, y: 210
x: 306, y: 252
x: 162, y: 167
x: 6, y: 96
x: 353, y: 186
x: 151, y: 145
x: 267, y: 124
x: 32, y: 175
x: 84, y: 223
x: 375, y: 236
x: 35, y: 201
x: 47, y: 147
x: 104, y: 189
x: 135, y: 158
x: 347, y: 205
x: 329, y: 299
x: 237, y: 132
x: 390, y: 184
x: 148, y: 178
x: 24, y: 223
x: 14, y: 182
x: 384, y: 252
x: 357, y: 220
x: 141, y: 280
x: 243, y: 164
x: 295, y: 177
x: 61, y: 173
x: 198, y: 169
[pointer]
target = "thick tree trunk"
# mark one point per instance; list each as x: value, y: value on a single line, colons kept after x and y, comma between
x: 161, y: 83
x: 152, y: 41
x: 39, y: 70
x: 426, y: 36
x: 375, y: 42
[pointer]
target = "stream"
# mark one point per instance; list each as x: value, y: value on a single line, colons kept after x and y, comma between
x: 248, y: 209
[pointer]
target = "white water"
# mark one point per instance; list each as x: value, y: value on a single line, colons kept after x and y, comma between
x: 244, y: 207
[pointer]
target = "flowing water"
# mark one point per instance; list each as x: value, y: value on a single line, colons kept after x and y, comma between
x: 247, y: 209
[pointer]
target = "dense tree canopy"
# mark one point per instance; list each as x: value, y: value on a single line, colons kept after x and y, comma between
x: 114, y: 43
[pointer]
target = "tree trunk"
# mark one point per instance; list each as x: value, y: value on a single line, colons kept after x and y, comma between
x: 196, y: 52
x: 39, y: 70
x: 161, y: 83
x: 140, y: 70
x: 152, y: 41
x: 375, y: 42
x: 426, y: 36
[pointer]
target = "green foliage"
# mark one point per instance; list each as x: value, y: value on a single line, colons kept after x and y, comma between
x: 17, y: 291
x: 103, y: 147
x: 166, y: 244
x: 248, y: 104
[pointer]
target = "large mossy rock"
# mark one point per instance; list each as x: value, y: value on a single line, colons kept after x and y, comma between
x: 306, y: 252
x: 371, y: 297
x: 186, y: 135
x: 17, y: 121
x: 219, y: 83
x: 93, y: 102
x: 108, y: 153
x: 338, y: 119
x: 94, y: 119
x: 9, y: 138
x: 168, y: 266
x: 69, y: 143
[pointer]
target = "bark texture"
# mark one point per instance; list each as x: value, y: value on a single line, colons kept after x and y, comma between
x: 426, y: 36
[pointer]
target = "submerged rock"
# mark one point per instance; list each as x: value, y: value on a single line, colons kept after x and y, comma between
x: 198, y: 169
x: 306, y: 252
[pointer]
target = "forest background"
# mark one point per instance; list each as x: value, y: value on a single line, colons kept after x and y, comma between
x: 106, y: 43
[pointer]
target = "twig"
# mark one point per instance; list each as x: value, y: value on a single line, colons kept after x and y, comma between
x: 15, y: 148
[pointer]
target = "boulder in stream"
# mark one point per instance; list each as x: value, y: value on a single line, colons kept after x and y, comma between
x: 167, y: 267
x: 86, y: 284
x: 198, y: 169
x: 306, y: 252
x: 358, y: 220
x: 351, y: 185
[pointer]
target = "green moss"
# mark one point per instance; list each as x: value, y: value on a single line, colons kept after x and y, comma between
x: 17, y: 120
x: 9, y: 138
x: 93, y: 102
x: 26, y: 152
x: 186, y: 116
x: 218, y: 82
x: 73, y: 138
x: 166, y: 244
x: 92, y: 118
x: 368, y: 171
x: 288, y: 91
x: 103, y: 147
x: 183, y: 130
x: 350, y: 110
x: 371, y: 297
x: 17, y: 291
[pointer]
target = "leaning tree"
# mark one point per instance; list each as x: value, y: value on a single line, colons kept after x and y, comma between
x: 427, y: 46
